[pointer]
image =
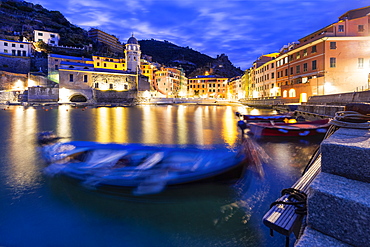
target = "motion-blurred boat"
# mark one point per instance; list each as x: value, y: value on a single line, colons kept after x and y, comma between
x: 143, y: 169
x: 299, y: 129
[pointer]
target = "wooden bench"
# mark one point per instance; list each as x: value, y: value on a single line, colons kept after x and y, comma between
x: 287, y: 213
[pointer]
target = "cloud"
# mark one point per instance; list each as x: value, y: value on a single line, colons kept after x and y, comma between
x: 242, y: 29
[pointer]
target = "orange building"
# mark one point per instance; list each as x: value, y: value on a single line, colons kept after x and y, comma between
x: 334, y: 59
x: 207, y: 86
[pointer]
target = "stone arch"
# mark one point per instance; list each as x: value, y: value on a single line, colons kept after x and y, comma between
x: 78, y: 98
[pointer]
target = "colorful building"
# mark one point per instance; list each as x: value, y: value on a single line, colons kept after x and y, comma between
x: 207, y: 86
x: 171, y: 82
x: 334, y: 59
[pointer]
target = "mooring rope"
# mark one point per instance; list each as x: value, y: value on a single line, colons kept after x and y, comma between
x: 299, y: 196
x: 351, y: 119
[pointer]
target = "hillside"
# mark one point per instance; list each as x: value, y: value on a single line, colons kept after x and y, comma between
x: 21, y: 18
x: 193, y: 62
x: 18, y: 19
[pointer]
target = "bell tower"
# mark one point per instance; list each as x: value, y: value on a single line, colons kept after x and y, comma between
x: 132, y: 54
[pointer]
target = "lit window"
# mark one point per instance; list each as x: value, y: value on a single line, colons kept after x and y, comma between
x: 305, y: 52
x: 333, y: 62
x: 360, y: 63
x: 285, y: 93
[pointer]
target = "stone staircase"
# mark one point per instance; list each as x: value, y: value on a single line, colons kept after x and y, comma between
x: 339, y: 203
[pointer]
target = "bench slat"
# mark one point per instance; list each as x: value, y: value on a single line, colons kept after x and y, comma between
x: 283, y: 218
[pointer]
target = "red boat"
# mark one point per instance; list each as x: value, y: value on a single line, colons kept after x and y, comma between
x: 299, y: 129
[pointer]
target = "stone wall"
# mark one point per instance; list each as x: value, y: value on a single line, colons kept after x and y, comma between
x: 12, y: 81
x: 340, y: 99
x: 43, y: 94
x: 15, y: 64
x: 114, y: 96
x: 9, y: 97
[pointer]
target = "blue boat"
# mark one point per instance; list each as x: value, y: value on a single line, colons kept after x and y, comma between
x: 143, y: 169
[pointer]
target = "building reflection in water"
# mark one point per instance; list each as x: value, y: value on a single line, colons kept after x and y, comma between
x: 21, y: 154
x: 229, y: 131
x: 64, y: 121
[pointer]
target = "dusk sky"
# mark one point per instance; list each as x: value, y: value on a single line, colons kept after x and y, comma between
x: 241, y: 29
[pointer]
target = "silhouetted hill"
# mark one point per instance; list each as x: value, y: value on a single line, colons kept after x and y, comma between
x: 18, y: 19
x: 193, y: 62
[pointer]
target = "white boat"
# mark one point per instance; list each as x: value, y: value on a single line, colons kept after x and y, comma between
x: 144, y: 169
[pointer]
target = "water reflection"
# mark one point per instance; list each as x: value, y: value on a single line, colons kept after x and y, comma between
x: 22, y: 174
x: 222, y: 216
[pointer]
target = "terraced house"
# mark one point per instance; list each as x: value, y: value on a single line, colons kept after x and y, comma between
x: 334, y: 59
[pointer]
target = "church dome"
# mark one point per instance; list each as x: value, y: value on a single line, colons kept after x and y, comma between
x: 132, y: 40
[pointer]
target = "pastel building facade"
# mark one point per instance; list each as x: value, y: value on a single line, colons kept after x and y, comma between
x: 334, y: 59
x: 15, y: 48
x: 207, y: 86
x: 49, y: 38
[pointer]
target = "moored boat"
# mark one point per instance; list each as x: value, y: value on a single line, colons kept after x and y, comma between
x: 266, y: 118
x: 141, y: 168
x: 299, y: 129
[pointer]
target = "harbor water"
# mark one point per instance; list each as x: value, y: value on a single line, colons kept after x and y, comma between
x: 36, y: 210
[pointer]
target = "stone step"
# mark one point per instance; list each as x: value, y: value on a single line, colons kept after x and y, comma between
x: 311, y: 237
x: 340, y: 208
x: 347, y: 154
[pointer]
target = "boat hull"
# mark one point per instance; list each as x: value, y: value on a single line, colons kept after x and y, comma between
x: 139, y: 166
x: 302, y: 129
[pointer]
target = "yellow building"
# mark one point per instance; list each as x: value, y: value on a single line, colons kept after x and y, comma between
x: 109, y: 63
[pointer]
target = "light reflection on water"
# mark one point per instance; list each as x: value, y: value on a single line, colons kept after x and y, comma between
x: 65, y: 214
